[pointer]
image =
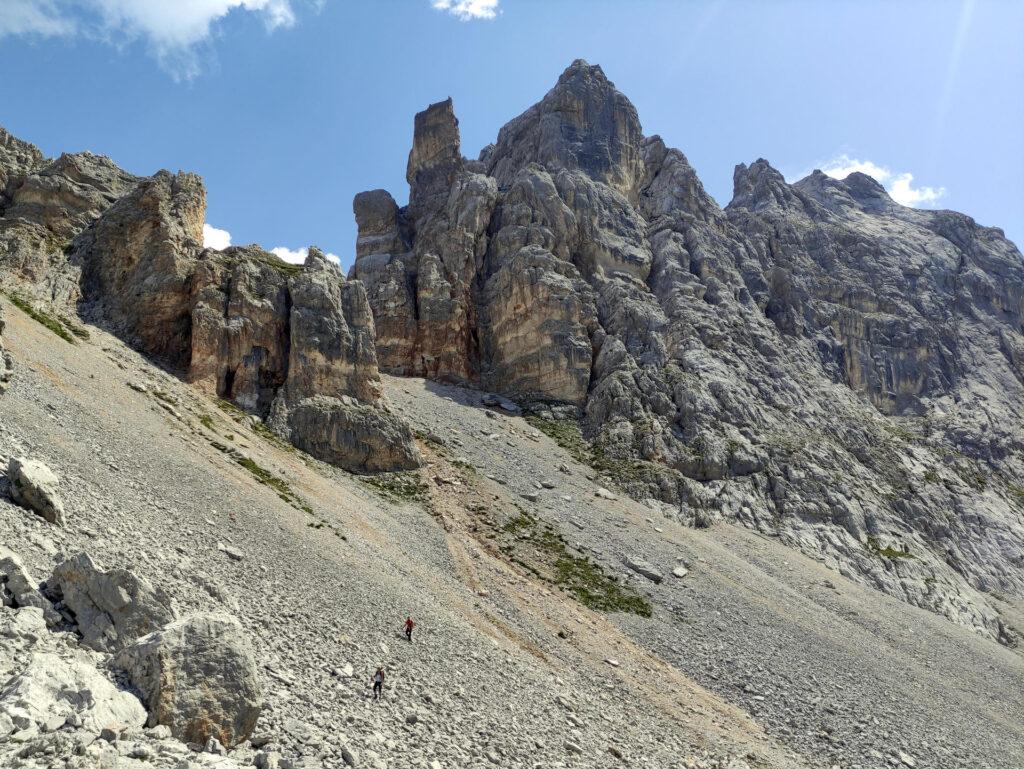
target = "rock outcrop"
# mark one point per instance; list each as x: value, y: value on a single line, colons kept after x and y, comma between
x: 198, y: 677
x: 239, y: 323
x: 47, y: 687
x: 19, y: 589
x: 35, y: 486
x: 44, y: 204
x: 814, y: 361
x: 109, y: 608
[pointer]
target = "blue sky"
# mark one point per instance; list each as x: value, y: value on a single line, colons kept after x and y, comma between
x: 289, y: 107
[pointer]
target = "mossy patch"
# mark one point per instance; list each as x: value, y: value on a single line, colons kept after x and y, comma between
x: 43, y: 318
x: 888, y: 551
x: 277, y: 263
x: 278, y: 485
x: 399, y: 487
x: 542, y: 551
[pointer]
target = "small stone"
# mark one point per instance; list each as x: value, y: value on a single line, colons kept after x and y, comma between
x: 644, y: 569
x: 231, y: 552
x: 680, y: 571
x: 906, y: 759
x: 603, y: 493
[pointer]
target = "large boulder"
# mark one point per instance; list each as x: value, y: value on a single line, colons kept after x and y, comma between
x: 18, y: 588
x: 111, y: 608
x: 331, y: 404
x: 353, y: 435
x: 198, y: 677
x: 34, y: 485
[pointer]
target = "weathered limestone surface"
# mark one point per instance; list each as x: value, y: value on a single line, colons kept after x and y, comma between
x: 198, y: 677
x: 110, y: 608
x: 43, y: 205
x: 814, y: 361
x: 239, y: 323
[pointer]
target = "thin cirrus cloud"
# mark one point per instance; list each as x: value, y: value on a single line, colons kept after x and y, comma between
x: 468, y: 10
x: 218, y: 239
x: 900, y: 186
x: 173, y: 31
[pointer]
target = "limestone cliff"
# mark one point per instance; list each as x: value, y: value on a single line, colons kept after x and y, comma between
x: 814, y: 361
x: 290, y: 344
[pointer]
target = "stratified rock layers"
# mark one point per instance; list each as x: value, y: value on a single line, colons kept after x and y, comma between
x: 815, y: 361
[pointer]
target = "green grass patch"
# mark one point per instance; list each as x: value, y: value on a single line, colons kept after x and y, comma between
x: 398, y: 487
x: 278, y: 485
x: 275, y: 262
x: 577, y: 575
x: 587, y: 582
x: 888, y: 551
x: 1016, y: 493
x: 931, y: 475
x: 207, y: 421
x: 971, y: 475
x: 231, y: 409
x: 241, y: 417
x: 78, y: 330
x: 43, y: 318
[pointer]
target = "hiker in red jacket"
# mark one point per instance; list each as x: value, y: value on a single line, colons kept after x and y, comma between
x: 409, y: 625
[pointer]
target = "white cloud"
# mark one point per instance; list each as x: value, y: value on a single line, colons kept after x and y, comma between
x: 33, y: 17
x: 172, y: 28
x: 467, y: 10
x: 900, y: 186
x: 214, y: 238
x: 298, y: 255
x: 901, y: 190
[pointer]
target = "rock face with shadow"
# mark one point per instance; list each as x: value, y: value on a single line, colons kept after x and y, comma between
x: 291, y: 344
x: 814, y: 360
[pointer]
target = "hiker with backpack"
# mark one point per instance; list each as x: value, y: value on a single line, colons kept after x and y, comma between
x: 378, y: 684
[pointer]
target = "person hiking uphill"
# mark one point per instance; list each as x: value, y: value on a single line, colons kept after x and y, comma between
x: 378, y: 684
x: 409, y: 625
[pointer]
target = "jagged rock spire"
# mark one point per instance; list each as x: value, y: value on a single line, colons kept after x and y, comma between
x: 436, y: 154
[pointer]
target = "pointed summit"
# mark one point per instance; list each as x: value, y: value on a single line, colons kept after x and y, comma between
x: 584, y: 123
x: 760, y: 186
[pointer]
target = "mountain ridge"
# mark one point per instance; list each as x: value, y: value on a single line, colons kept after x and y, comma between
x: 812, y: 361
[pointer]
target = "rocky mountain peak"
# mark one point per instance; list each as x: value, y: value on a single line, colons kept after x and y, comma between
x: 760, y: 186
x: 856, y: 191
x: 584, y: 123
